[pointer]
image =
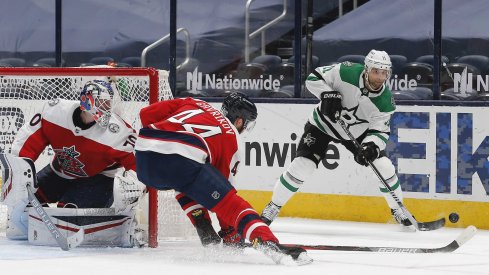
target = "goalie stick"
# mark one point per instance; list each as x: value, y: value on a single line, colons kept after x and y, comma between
x: 66, y: 243
x: 461, y: 239
x: 421, y: 226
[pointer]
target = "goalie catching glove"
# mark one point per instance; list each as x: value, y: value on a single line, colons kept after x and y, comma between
x: 368, y: 153
x: 127, y: 191
x: 331, y: 105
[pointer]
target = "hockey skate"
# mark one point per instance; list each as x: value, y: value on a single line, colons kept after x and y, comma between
x: 206, y: 232
x: 281, y: 254
x: 400, y: 217
x: 270, y: 213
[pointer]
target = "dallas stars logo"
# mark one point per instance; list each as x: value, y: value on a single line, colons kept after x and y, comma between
x: 67, y: 159
x: 350, y: 116
x: 309, y: 139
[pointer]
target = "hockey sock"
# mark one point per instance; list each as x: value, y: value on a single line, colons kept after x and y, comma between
x: 291, y: 180
x: 190, y: 206
x: 388, y: 172
x: 237, y: 212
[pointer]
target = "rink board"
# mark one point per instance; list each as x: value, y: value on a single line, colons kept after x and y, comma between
x: 441, y: 154
x: 372, y: 209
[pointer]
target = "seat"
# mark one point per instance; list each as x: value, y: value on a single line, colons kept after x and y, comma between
x: 251, y: 70
x: 421, y: 72
x: 481, y: 62
x: 428, y: 59
x: 87, y: 64
x: 398, y: 62
x: 449, y: 94
x: 285, y: 73
x: 314, y: 61
x: 423, y: 93
x: 355, y: 58
x: 268, y: 60
x: 49, y: 61
x: 478, y: 97
x: 134, y: 61
x: 448, y: 75
x: 13, y: 61
x: 101, y: 60
x: 403, y: 95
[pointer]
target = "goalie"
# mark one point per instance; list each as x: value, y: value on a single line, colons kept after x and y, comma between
x: 90, y: 146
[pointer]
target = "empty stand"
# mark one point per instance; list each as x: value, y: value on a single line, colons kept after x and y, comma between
x: 481, y: 62
x: 398, y: 62
x: 428, y: 59
x: 268, y: 60
x: 352, y: 58
x: 134, y: 61
x: 49, y: 61
x: 421, y: 72
x: 404, y: 95
x: 13, y: 61
x: 101, y: 60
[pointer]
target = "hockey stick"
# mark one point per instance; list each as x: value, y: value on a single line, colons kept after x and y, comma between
x: 66, y: 243
x: 461, y: 239
x: 421, y: 226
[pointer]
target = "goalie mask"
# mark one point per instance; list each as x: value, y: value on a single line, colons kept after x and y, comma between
x: 237, y: 105
x: 377, y: 69
x: 95, y: 98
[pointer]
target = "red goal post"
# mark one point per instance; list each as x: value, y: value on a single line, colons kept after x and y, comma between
x: 23, y: 89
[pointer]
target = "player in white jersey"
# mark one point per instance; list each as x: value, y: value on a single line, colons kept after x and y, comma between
x: 90, y: 144
x: 359, y: 95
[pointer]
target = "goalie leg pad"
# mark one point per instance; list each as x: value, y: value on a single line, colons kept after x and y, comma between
x: 388, y: 172
x: 17, y: 173
x: 103, y: 228
x: 17, y: 218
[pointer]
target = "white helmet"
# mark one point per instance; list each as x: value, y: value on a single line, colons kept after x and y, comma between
x: 95, y: 98
x: 378, y: 59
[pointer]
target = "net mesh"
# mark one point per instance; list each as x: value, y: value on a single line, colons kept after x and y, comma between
x: 24, y: 92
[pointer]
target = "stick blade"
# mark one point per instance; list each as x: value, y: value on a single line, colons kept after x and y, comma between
x: 432, y: 225
x: 466, y: 235
x: 75, y: 239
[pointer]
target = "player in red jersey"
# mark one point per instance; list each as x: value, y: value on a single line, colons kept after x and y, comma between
x: 189, y: 146
x: 89, y: 145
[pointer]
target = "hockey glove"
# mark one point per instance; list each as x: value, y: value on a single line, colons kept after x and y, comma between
x: 368, y: 153
x: 231, y: 237
x: 331, y: 105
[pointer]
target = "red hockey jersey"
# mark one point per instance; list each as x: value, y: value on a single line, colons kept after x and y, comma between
x: 196, y: 118
x: 77, y: 153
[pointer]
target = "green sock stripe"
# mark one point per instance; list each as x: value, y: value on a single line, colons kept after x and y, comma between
x: 287, y: 185
x: 394, y: 187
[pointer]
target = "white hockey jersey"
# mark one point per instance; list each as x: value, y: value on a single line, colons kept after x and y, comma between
x: 77, y: 153
x: 363, y: 111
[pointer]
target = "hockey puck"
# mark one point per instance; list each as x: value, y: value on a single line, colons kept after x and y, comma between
x: 453, y: 217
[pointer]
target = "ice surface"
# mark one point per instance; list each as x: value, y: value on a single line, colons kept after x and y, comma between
x: 188, y: 257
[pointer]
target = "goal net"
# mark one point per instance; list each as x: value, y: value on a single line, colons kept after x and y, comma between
x: 24, y: 91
